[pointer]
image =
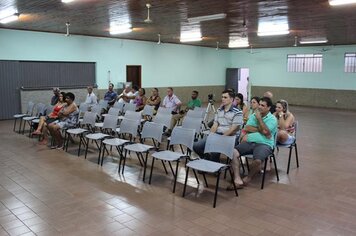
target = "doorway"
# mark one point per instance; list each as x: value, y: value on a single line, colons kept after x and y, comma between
x: 244, y: 86
x: 133, y: 75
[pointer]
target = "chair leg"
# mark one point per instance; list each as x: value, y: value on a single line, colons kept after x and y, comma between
x: 102, y: 155
x: 80, y: 143
x: 170, y: 166
x: 123, y: 165
x: 232, y: 180
x: 144, y: 167
x: 216, y: 189
x: 86, y: 149
x: 153, y: 162
x: 296, y: 154
x: 175, y: 177
x: 196, y: 176
x: 275, y: 166
x: 185, y: 181
x: 101, y: 148
x: 164, y: 166
x: 289, y: 157
x: 206, y: 182
x: 14, y: 124
x: 264, y: 174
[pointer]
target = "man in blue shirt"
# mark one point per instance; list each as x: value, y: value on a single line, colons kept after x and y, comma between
x: 110, y: 95
x: 261, y: 128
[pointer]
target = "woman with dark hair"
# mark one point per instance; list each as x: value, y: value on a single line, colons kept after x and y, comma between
x: 285, y: 123
x: 254, y: 103
x: 154, y: 99
x: 239, y: 103
x: 140, y: 99
x: 51, y: 117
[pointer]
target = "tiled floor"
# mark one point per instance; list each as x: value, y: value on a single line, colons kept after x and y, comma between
x: 51, y: 192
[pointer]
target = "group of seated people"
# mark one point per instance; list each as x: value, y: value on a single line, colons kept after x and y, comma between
x: 255, y: 126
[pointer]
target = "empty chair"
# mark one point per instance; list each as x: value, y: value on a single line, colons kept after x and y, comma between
x: 109, y: 126
x: 214, y: 144
x: 113, y: 111
x: 198, y: 112
x: 163, y: 118
x: 147, y: 112
x: 119, y: 105
x: 29, y: 110
x: 193, y: 123
x: 83, y: 107
x: 180, y: 136
x: 103, y: 104
x: 150, y: 131
x: 39, y: 107
x: 164, y: 110
x: 88, y: 122
x: 291, y: 146
x: 129, y: 107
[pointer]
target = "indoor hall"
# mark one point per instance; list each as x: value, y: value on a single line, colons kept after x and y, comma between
x: 301, y: 51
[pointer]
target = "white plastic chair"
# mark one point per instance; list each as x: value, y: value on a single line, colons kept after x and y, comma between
x: 291, y: 146
x: 180, y: 136
x: 214, y: 144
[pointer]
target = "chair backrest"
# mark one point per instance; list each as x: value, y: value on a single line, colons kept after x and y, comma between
x: 163, y: 118
x: 295, y: 125
x: 110, y: 122
x: 129, y: 107
x: 40, y: 109
x: 103, y: 103
x: 114, y: 111
x: 148, y: 110
x: 216, y: 143
x: 96, y: 109
x: 129, y: 126
x: 132, y: 115
x: 152, y: 130
x: 183, y: 136
x: 89, y: 118
x: 192, y: 123
x: 198, y: 112
x: 164, y: 110
x: 30, y: 107
x: 119, y: 105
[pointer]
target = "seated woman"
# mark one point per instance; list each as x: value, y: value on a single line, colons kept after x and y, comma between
x: 68, y: 117
x: 239, y: 103
x: 254, y: 103
x: 51, y: 117
x: 285, y: 123
x: 154, y: 99
x: 140, y: 99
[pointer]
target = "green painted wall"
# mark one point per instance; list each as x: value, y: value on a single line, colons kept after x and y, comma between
x: 268, y: 67
x: 162, y: 65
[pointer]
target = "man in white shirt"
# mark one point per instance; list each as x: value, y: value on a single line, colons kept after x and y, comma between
x: 91, y: 97
x: 128, y: 95
x: 171, y: 101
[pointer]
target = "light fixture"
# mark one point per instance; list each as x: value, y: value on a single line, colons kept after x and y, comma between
x: 341, y: 2
x: 159, y: 39
x: 295, y: 41
x: 273, y: 27
x: 190, y: 36
x: 67, y: 1
x: 313, y: 40
x: 238, y: 42
x: 67, y: 25
x: 206, y: 18
x: 9, y: 18
x: 120, y: 29
x: 148, y: 19
x: 217, y: 46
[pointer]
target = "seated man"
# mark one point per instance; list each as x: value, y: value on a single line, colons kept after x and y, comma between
x: 227, y: 121
x: 259, y: 141
x: 55, y: 98
x: 110, y: 95
x: 129, y: 94
x: 171, y: 101
x: 68, y: 117
x: 91, y: 97
x: 194, y: 102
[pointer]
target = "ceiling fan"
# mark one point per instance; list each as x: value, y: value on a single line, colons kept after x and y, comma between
x: 148, y: 20
x: 251, y: 51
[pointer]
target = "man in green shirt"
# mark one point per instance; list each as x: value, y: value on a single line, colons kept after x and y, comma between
x: 194, y: 102
x: 261, y: 128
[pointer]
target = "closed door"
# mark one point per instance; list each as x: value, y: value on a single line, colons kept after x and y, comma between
x: 133, y: 75
x: 9, y: 89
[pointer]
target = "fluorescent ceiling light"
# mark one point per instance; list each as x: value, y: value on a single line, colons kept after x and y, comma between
x: 276, y: 27
x: 10, y: 18
x: 238, y: 42
x: 190, y: 37
x: 313, y: 40
x: 341, y: 2
x: 120, y: 29
x: 67, y: 1
x: 207, y: 18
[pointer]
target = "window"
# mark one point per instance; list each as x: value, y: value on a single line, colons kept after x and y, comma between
x: 350, y: 62
x: 304, y: 62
